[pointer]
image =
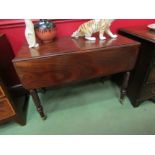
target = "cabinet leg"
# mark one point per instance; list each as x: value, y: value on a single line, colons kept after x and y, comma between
x: 124, y: 86
x: 37, y: 103
x: 22, y: 112
x: 20, y: 119
x: 153, y: 99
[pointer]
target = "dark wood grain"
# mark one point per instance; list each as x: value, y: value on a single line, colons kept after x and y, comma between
x: 2, y: 94
x: 8, y: 78
x: 8, y: 106
x: 151, y: 76
x: 142, y: 32
x: 141, y: 83
x: 6, y: 109
x: 37, y: 102
x: 68, y: 45
x: 124, y: 86
x: 7, y: 70
x: 75, y: 60
x: 68, y: 60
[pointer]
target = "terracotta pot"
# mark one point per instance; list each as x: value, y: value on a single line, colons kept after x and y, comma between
x: 45, y: 31
x: 46, y: 35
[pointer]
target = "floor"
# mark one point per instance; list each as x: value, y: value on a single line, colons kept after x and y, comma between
x: 90, y: 108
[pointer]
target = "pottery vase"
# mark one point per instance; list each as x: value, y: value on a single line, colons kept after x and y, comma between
x: 45, y: 31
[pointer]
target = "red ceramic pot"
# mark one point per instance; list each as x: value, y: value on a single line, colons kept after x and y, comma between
x: 45, y: 30
x: 46, y: 35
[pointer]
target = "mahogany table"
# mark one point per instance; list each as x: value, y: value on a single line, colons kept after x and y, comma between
x: 68, y: 60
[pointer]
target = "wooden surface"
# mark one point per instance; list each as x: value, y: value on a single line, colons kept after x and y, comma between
x: 6, y: 108
x: 68, y: 60
x: 6, y: 67
x: 2, y: 94
x: 8, y: 78
x: 141, y: 84
x: 142, y: 32
x: 68, y: 45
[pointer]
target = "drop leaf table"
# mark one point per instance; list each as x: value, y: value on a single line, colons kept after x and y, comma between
x: 68, y: 60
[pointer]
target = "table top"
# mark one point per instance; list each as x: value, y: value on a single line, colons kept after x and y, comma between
x: 142, y: 32
x: 67, y: 45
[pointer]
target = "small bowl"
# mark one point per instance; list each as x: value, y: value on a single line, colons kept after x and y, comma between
x: 46, y: 35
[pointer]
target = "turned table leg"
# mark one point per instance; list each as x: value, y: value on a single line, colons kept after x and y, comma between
x: 37, y: 103
x: 124, y: 86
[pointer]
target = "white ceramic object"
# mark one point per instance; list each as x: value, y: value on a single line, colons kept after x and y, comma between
x: 30, y: 34
x: 151, y: 26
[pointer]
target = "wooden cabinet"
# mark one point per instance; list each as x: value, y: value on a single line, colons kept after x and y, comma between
x: 142, y: 79
x: 6, y: 107
x: 1, y: 92
x: 12, y: 103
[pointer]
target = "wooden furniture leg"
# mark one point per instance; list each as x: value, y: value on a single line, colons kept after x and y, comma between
x: 37, y: 103
x: 124, y: 86
x: 153, y: 99
x: 22, y: 112
x: 20, y: 119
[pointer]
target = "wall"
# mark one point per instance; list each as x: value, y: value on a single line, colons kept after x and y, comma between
x: 14, y: 29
